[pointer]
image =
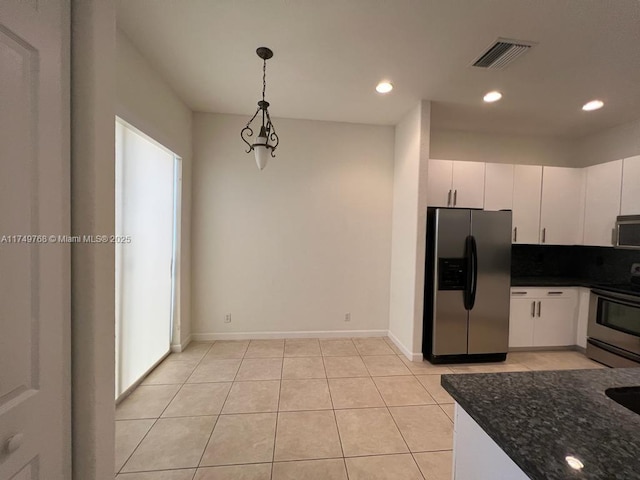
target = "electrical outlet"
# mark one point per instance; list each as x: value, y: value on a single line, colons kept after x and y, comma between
x: 227, y: 318
x: 347, y: 317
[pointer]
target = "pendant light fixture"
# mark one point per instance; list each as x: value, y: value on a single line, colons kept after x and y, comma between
x: 267, y: 140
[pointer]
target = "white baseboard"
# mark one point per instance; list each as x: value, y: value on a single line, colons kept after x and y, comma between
x: 180, y: 347
x: 208, y: 337
x: 414, y: 357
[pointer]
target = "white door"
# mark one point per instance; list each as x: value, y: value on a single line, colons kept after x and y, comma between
x: 439, y: 192
x: 527, y: 188
x: 35, y: 330
x: 144, y: 271
x: 562, y: 207
x: 521, y: 319
x: 602, y: 203
x: 468, y: 184
x: 498, y: 186
x: 555, y: 324
x: 630, y: 203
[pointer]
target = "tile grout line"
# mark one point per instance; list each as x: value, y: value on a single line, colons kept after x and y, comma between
x: 195, y: 470
x: 398, y: 428
x: 218, y: 417
x: 344, y: 458
x: 275, y: 431
x: 158, y: 418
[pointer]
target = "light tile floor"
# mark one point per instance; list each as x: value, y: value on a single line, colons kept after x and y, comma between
x: 313, y: 409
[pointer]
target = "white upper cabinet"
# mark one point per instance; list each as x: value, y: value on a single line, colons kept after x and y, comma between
x: 527, y: 187
x: 562, y: 207
x: 455, y: 184
x: 551, y: 205
x: 439, y: 183
x: 602, y: 202
x: 468, y: 184
x: 630, y: 204
x: 498, y: 186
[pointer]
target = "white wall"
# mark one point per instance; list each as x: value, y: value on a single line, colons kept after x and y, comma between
x: 613, y: 144
x: 502, y: 148
x: 409, y: 229
x: 296, y: 246
x: 147, y: 102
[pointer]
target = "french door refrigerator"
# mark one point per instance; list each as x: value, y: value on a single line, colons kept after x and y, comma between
x: 467, y: 283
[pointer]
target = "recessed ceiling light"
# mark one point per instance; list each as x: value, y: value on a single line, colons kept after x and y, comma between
x: 384, y: 87
x: 592, y: 105
x: 574, y: 462
x: 492, y: 96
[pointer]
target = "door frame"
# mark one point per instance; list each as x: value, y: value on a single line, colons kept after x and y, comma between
x: 93, y: 29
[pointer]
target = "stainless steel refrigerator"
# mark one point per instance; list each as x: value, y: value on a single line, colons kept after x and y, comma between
x: 468, y: 277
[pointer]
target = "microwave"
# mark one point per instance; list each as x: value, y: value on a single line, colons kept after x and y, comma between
x: 627, y: 232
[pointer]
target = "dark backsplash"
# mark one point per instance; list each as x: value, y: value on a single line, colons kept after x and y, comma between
x: 596, y: 264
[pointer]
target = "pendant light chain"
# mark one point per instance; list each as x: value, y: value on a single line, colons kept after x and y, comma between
x: 264, y: 77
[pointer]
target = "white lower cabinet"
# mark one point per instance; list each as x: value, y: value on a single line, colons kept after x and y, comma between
x: 521, y: 317
x: 584, y: 299
x: 476, y: 456
x: 543, y: 317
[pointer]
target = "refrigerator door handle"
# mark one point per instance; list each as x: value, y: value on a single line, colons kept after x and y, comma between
x: 471, y: 255
x: 474, y: 252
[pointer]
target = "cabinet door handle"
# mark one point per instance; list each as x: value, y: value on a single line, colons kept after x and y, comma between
x: 539, y: 308
x: 449, y: 199
x: 555, y: 293
x: 455, y: 197
x: 533, y: 309
x: 518, y: 293
x: 515, y: 234
x: 544, y: 235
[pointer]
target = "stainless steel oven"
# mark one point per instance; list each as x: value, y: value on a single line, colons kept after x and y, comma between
x: 614, y: 328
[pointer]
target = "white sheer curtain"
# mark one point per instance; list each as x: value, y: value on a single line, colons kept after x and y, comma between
x: 145, y: 230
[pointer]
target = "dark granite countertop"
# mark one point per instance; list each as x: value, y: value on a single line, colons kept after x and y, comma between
x: 538, y: 418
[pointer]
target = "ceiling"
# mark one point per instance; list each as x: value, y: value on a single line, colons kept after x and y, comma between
x: 330, y: 54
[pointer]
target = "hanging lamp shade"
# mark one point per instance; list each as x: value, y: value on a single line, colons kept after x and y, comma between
x: 261, y: 149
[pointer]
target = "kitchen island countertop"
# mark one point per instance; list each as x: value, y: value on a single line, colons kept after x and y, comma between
x: 540, y: 418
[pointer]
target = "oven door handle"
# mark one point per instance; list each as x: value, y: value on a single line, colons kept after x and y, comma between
x: 627, y: 300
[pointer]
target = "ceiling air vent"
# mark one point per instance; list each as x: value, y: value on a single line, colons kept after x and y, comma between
x: 502, y: 52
